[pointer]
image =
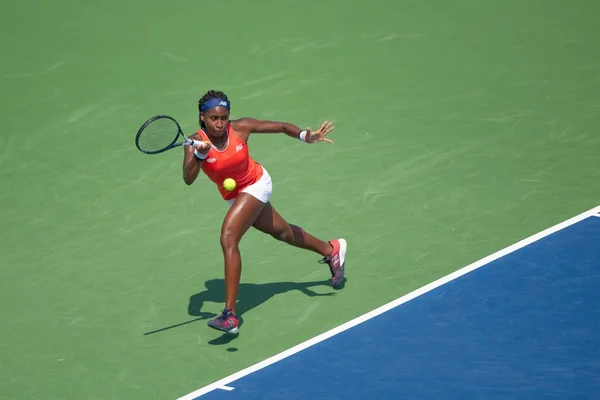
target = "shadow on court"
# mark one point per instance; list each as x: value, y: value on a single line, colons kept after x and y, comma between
x: 250, y: 295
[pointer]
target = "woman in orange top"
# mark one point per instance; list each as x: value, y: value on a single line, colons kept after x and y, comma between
x: 224, y: 154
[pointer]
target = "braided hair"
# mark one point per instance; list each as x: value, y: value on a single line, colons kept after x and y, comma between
x: 211, y: 94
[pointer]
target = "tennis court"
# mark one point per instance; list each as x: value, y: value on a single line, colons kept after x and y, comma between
x: 525, y: 326
x: 462, y: 129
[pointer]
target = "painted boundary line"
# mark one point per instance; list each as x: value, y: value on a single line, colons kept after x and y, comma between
x: 386, y: 307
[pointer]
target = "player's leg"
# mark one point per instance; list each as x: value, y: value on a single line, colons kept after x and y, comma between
x: 237, y: 221
x: 271, y: 222
x: 334, y: 252
x: 240, y: 217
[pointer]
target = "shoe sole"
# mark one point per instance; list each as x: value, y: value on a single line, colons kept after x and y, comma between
x: 232, y: 331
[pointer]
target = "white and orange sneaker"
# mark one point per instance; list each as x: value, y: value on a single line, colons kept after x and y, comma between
x: 337, y: 262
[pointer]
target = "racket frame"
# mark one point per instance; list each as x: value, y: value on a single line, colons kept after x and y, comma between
x: 173, y: 144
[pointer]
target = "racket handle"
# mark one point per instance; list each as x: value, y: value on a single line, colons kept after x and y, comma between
x: 194, y: 143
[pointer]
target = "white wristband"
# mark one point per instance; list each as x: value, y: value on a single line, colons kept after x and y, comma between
x: 302, y: 136
x: 199, y: 155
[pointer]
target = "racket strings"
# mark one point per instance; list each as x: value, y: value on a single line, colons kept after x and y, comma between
x: 158, y: 134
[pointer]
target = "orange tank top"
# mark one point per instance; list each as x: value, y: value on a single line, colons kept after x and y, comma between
x: 232, y: 162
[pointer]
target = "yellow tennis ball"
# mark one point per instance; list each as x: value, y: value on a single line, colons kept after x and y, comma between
x: 229, y: 184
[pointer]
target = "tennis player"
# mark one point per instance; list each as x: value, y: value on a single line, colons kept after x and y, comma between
x: 224, y: 154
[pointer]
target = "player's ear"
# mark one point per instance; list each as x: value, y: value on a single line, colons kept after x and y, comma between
x: 201, y: 118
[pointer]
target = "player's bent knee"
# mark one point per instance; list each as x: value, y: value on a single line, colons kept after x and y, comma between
x: 284, y: 235
x: 281, y: 236
x: 228, y: 239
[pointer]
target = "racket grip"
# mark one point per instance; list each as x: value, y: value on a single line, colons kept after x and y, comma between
x: 193, y: 143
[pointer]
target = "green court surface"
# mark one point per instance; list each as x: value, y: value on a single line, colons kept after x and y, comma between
x: 461, y: 128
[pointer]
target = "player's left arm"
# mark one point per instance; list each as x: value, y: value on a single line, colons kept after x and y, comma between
x: 247, y: 126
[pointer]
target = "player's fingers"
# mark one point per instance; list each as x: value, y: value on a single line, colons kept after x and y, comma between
x: 330, y: 128
x: 204, y: 146
x: 325, y: 125
x: 323, y: 128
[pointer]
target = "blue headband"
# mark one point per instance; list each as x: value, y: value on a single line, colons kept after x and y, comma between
x: 214, y: 103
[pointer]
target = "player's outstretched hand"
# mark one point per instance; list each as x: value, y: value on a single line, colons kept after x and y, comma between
x: 320, y: 134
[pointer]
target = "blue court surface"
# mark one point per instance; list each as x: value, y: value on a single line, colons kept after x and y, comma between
x: 523, y: 323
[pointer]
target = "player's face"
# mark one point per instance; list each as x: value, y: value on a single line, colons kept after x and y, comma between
x: 216, y: 120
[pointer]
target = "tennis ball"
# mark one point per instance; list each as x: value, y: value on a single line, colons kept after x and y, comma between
x: 229, y: 184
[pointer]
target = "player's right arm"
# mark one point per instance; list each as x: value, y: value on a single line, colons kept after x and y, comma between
x: 191, y: 164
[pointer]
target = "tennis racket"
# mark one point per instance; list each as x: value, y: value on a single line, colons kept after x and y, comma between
x: 161, y: 133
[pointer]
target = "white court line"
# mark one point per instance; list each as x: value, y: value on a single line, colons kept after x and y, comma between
x: 410, y: 296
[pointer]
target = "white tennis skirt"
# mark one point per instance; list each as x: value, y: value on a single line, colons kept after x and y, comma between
x: 261, y: 189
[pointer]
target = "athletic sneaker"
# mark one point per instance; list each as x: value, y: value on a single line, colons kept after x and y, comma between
x: 226, y: 322
x: 337, y: 262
